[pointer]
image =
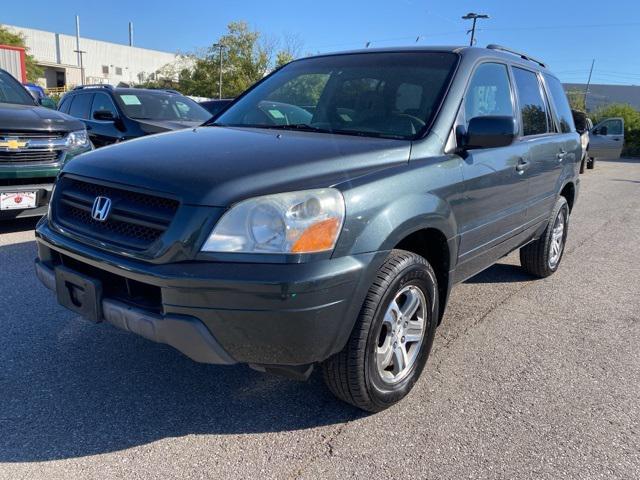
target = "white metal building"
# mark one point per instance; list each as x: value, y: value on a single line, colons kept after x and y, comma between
x: 103, y: 62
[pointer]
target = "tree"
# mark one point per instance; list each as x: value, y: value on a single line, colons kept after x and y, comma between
x: 17, y: 40
x: 247, y: 56
x: 577, y: 100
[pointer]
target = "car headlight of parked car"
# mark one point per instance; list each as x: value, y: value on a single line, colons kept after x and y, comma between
x: 78, y: 140
x: 308, y: 221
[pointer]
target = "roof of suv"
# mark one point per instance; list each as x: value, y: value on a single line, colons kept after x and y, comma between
x: 110, y: 88
x: 491, y: 51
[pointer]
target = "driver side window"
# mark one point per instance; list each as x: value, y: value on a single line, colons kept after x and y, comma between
x: 489, y: 92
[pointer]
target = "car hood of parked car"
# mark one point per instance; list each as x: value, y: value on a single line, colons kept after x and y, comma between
x: 217, y: 166
x: 159, y: 126
x: 16, y: 118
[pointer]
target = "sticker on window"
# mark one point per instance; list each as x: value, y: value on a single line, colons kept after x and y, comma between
x: 276, y: 113
x: 130, y: 100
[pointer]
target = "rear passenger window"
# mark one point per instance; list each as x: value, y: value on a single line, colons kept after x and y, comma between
x: 561, y: 104
x: 489, y: 92
x: 80, y: 105
x: 532, y: 105
x: 64, y: 105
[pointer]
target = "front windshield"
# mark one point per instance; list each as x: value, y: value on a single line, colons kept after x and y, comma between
x: 159, y: 106
x: 12, y: 92
x: 392, y: 95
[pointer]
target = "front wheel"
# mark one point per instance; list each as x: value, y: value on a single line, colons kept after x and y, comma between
x: 542, y: 257
x: 392, y: 337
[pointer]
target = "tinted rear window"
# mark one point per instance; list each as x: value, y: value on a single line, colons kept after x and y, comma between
x: 80, y: 105
x: 533, y: 108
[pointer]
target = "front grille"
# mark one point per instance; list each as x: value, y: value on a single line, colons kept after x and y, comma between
x: 135, y: 222
x: 25, y: 135
x: 31, y: 156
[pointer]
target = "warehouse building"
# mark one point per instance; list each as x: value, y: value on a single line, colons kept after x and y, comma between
x: 600, y: 95
x: 99, y: 62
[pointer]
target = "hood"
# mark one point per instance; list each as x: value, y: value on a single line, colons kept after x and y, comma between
x: 31, y: 117
x: 159, y: 126
x: 217, y: 166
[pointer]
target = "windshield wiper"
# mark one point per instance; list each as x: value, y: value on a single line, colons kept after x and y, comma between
x: 298, y: 126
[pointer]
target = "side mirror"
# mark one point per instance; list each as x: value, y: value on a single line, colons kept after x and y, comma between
x: 104, y: 115
x: 488, y: 132
x: 602, y: 131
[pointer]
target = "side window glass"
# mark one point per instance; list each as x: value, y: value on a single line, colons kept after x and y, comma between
x: 64, y: 105
x: 80, y: 106
x: 561, y: 104
x: 102, y: 102
x: 532, y: 105
x: 613, y: 126
x: 489, y: 92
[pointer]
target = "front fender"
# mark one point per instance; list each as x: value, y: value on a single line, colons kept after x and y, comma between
x: 384, y: 222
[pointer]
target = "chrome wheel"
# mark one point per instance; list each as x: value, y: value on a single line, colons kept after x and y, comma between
x: 401, y: 334
x: 557, y: 239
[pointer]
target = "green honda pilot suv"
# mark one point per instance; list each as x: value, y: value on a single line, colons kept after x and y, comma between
x: 323, y: 218
x: 35, y: 142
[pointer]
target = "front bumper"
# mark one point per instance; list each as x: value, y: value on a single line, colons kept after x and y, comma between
x: 219, y: 312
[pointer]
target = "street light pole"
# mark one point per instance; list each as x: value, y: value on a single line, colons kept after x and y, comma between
x: 474, y: 17
x: 221, y: 47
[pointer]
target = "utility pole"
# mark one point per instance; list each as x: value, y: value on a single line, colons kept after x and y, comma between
x: 474, y: 17
x: 586, y: 89
x: 80, y: 53
x: 221, y: 47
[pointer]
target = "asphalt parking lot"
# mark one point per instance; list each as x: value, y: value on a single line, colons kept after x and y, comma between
x: 528, y: 379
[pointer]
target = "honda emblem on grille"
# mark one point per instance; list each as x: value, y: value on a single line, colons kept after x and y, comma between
x: 101, y: 209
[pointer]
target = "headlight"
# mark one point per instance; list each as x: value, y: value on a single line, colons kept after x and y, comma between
x: 77, y: 140
x: 297, y: 222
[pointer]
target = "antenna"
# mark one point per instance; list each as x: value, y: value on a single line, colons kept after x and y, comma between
x: 474, y: 17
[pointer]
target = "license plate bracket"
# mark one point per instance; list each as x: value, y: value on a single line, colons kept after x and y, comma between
x: 18, y: 200
x: 79, y: 293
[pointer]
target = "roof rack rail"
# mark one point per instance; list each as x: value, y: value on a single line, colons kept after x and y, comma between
x: 171, y: 90
x: 524, y: 56
x: 94, y: 85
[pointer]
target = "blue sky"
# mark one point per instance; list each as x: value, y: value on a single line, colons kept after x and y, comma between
x: 567, y: 34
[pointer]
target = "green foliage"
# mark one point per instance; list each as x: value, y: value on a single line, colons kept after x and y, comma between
x: 247, y: 56
x: 17, y: 40
x: 631, y: 125
x: 576, y: 100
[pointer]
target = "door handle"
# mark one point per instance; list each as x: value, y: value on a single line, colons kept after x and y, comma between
x: 616, y: 139
x: 561, y: 154
x: 522, y: 165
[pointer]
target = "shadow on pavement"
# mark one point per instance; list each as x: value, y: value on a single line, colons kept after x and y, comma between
x: 19, y: 225
x: 501, y: 273
x: 69, y: 388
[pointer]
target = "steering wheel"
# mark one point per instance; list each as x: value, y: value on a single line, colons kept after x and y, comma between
x: 416, y: 123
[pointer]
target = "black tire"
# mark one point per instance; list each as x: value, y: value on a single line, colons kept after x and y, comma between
x: 591, y: 163
x: 352, y: 374
x: 535, y: 257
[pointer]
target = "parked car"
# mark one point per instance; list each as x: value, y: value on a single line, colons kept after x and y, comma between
x: 116, y: 114
x: 333, y: 242
x: 40, y: 96
x: 216, y: 106
x: 606, y: 140
x: 35, y: 142
x: 583, y: 126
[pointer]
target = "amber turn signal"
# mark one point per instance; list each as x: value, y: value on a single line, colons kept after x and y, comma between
x: 318, y: 237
